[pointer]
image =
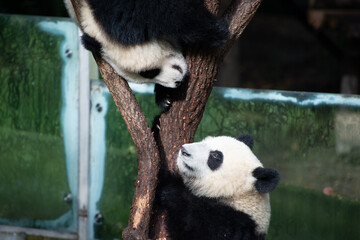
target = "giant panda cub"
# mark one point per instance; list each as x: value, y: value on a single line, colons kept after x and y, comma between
x: 222, y: 191
x: 143, y: 39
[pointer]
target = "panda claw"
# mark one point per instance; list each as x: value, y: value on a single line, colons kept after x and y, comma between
x: 163, y: 97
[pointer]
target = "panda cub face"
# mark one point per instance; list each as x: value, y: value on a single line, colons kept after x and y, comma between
x: 225, y: 168
x: 222, y: 167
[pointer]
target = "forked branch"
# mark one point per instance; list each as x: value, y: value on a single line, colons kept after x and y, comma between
x: 179, y: 124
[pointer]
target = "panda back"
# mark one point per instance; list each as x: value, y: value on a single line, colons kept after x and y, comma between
x: 200, y: 218
x: 137, y: 21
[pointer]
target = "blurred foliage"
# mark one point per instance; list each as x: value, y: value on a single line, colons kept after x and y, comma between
x: 33, y: 177
x: 30, y: 93
x: 306, y: 145
x: 299, y: 214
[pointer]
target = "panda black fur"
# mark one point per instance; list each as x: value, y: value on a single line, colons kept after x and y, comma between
x: 131, y: 22
x: 221, y: 192
x: 143, y: 39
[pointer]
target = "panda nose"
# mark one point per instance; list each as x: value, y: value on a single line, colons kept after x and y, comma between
x: 184, y: 152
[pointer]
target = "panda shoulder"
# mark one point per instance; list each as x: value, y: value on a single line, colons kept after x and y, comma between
x: 170, y: 186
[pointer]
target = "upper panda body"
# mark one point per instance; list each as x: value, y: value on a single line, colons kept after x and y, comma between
x: 220, y: 193
x: 143, y: 39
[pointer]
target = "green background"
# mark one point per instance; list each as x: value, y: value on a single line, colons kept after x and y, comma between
x: 301, y: 142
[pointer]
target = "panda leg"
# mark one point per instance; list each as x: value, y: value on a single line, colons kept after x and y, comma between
x: 163, y: 97
x: 173, y: 69
x: 90, y: 43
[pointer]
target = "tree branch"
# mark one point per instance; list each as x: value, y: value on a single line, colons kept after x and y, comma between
x: 238, y: 15
x: 185, y: 115
x: 213, y: 6
x: 76, y: 4
x: 178, y: 126
x: 148, y: 154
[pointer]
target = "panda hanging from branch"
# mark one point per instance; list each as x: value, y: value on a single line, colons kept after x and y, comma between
x: 144, y: 40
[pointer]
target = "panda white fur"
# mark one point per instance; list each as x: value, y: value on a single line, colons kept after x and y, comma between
x: 222, y: 191
x: 142, y: 39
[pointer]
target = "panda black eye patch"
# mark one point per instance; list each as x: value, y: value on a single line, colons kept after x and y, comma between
x: 150, y: 73
x: 215, y: 160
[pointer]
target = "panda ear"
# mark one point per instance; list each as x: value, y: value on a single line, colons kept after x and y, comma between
x: 247, y: 139
x: 267, y: 179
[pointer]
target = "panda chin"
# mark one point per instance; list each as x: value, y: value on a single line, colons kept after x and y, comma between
x: 186, y: 170
x: 188, y: 167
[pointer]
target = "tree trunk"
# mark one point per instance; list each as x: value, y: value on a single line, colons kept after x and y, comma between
x: 178, y: 125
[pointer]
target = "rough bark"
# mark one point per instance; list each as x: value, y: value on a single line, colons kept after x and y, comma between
x: 148, y: 154
x: 238, y: 15
x: 213, y: 6
x: 178, y: 125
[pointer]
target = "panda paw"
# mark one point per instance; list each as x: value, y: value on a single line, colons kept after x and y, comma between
x: 164, y: 97
x: 164, y: 104
x: 173, y: 71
